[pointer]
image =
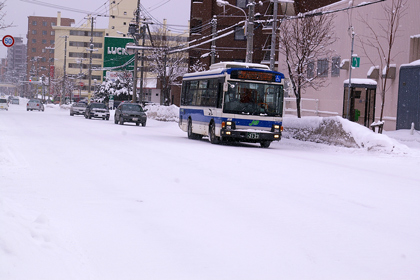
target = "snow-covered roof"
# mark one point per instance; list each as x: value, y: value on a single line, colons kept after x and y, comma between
x: 357, y: 82
x: 233, y: 64
x: 414, y: 63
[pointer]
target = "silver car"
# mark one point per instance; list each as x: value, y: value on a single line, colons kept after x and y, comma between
x: 35, y: 104
x: 78, y: 108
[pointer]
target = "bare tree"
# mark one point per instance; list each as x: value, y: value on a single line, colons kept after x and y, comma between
x: 382, y: 40
x: 168, y: 66
x: 2, y: 15
x: 302, y: 41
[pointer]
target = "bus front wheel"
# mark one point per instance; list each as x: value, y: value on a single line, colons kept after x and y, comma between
x: 265, y: 144
x: 212, y: 134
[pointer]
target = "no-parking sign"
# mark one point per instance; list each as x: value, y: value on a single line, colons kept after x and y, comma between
x: 8, y: 41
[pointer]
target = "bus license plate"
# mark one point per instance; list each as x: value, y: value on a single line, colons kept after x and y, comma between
x: 135, y: 119
x: 253, y: 135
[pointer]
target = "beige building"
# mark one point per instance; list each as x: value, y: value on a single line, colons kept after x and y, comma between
x: 331, y: 100
x: 72, y: 45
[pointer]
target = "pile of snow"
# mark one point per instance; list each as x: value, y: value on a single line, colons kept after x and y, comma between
x: 163, y: 113
x: 340, y: 132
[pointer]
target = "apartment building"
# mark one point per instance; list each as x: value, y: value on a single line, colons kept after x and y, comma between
x: 208, y: 18
x: 72, y: 57
x: 41, y: 43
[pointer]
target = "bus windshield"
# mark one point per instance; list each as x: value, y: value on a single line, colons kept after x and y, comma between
x: 249, y: 98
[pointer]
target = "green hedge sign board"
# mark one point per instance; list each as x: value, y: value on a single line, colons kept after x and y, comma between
x: 115, y: 56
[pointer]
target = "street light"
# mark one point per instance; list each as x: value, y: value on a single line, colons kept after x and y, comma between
x: 249, y: 26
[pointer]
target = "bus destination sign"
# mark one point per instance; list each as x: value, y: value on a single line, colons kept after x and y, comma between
x: 253, y: 75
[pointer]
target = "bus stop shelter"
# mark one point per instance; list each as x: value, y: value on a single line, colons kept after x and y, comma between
x: 362, y: 101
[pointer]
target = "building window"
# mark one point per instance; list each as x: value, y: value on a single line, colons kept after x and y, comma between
x: 196, y: 26
x: 322, y: 68
x: 44, y: 32
x: 310, y: 71
x: 241, y: 3
x: 124, y: 23
x: 33, y: 41
x: 43, y: 59
x: 125, y: 13
x: 335, y: 67
x: 239, y: 33
x: 33, y: 50
x: 44, y: 23
x: 52, y: 33
x: 33, y: 32
x: 34, y: 22
x: 53, y: 24
x: 52, y: 42
x: 44, y: 41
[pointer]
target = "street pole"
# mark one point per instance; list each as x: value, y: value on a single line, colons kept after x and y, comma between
x: 213, y: 43
x: 143, y: 32
x: 63, y: 90
x: 136, y: 55
x: 49, y: 71
x: 350, y: 65
x: 273, y: 36
x: 90, y: 59
x: 250, y: 33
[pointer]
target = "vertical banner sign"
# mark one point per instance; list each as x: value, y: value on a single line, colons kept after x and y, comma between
x: 51, y: 77
x: 115, y: 56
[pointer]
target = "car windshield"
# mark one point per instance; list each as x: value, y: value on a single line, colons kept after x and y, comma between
x: 98, y: 105
x: 132, y: 107
x: 34, y: 101
x: 3, y: 101
x: 79, y: 104
x: 254, y: 99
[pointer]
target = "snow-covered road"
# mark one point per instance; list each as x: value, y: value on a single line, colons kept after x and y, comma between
x: 88, y: 199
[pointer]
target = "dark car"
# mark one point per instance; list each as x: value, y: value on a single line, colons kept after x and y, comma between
x: 97, y: 110
x: 78, y: 108
x: 130, y: 112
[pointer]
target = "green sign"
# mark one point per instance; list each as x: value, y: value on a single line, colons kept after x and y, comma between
x: 115, y: 56
x: 355, y: 61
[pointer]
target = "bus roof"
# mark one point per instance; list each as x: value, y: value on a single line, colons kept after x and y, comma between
x: 222, y: 67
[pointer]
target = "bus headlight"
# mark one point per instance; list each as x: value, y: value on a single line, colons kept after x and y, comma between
x: 228, y: 125
x: 277, y: 128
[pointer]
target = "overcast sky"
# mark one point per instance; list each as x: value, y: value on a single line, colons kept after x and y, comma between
x: 177, y: 12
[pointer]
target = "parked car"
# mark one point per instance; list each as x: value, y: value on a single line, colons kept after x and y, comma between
x: 15, y: 101
x: 4, y: 105
x: 130, y: 112
x: 34, y: 104
x: 78, y: 108
x: 97, y: 110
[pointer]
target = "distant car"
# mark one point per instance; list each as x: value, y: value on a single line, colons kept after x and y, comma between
x: 130, y: 112
x: 4, y: 105
x: 15, y: 101
x: 97, y: 110
x: 78, y: 108
x: 34, y: 104
x: 147, y: 103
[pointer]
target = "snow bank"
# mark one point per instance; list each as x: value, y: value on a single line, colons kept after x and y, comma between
x: 340, y: 132
x: 163, y: 113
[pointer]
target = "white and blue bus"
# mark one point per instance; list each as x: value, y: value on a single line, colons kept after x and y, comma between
x: 233, y: 101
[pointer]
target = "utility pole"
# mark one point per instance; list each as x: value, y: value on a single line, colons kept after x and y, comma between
x: 90, y: 59
x: 250, y: 33
x: 63, y: 90
x: 49, y: 71
x: 273, y: 36
x: 350, y: 65
x: 143, y: 33
x: 134, y: 33
x: 213, y: 43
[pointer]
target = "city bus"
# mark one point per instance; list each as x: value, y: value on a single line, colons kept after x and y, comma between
x: 233, y: 101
